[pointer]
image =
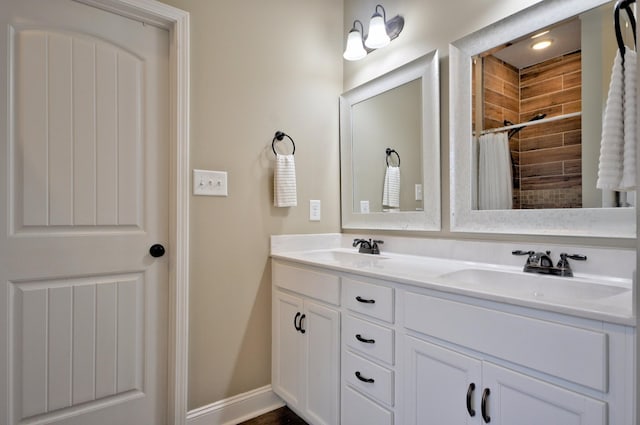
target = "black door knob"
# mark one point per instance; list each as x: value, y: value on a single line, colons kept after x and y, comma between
x: 156, y: 250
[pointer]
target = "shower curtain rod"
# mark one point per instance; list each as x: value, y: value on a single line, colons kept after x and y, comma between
x: 528, y: 123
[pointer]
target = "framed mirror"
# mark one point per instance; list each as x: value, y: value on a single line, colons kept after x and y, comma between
x: 390, y: 150
x: 534, y: 118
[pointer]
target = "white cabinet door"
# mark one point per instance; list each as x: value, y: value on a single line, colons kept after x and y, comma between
x: 441, y: 386
x: 306, y: 357
x: 287, y: 360
x: 322, y: 340
x: 517, y: 399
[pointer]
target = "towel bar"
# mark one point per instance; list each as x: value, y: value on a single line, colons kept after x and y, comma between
x: 389, y: 152
x: 279, y: 136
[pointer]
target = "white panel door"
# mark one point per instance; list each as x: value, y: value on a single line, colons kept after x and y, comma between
x: 322, y: 363
x: 517, y: 399
x: 83, y: 195
x: 287, y: 357
x: 441, y: 385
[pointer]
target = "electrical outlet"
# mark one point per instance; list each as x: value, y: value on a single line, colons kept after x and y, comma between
x: 210, y: 183
x: 418, y: 188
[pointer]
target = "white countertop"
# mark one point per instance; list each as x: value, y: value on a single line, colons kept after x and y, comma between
x: 607, y: 299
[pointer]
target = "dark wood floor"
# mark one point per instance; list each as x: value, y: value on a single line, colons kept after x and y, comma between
x: 282, y: 416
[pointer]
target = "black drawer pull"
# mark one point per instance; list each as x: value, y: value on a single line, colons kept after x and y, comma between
x: 363, y: 300
x: 470, y: 390
x: 367, y: 380
x: 295, y: 321
x: 366, y: 341
x: 483, y: 405
x: 302, y: 330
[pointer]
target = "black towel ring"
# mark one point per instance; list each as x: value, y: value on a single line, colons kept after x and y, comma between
x: 389, y: 152
x: 279, y: 136
x: 626, y: 5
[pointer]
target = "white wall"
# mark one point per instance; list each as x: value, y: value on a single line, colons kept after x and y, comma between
x: 256, y: 67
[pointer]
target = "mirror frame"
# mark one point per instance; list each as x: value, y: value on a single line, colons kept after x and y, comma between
x: 426, y: 68
x: 588, y: 222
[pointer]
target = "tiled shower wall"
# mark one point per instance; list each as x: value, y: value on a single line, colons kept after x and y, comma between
x: 550, y: 154
x: 546, y: 157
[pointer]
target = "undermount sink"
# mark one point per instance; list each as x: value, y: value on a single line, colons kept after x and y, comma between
x: 354, y: 259
x: 539, y: 287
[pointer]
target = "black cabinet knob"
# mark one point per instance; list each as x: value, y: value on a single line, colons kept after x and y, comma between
x: 156, y: 250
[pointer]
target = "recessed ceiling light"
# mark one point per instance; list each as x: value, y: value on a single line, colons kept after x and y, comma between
x: 543, y: 44
x: 540, y: 34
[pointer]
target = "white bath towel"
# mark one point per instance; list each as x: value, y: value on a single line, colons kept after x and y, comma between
x: 630, y: 126
x: 495, y: 185
x: 284, y: 182
x: 391, y: 190
x: 617, y: 166
x: 612, y: 142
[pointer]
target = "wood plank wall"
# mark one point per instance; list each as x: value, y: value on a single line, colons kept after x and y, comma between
x: 550, y: 154
x: 546, y: 157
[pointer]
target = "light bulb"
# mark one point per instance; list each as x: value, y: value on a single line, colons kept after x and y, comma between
x: 378, y: 36
x: 355, y: 50
x: 543, y: 44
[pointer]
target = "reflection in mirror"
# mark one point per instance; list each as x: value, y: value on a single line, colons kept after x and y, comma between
x: 390, y: 150
x: 390, y: 120
x: 528, y: 98
x: 526, y: 139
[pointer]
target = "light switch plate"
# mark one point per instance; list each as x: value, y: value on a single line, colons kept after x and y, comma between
x: 210, y: 183
x: 314, y: 210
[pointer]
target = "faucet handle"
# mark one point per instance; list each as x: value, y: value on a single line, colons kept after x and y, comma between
x: 563, y: 263
x: 578, y: 257
x: 374, y: 246
x: 520, y: 252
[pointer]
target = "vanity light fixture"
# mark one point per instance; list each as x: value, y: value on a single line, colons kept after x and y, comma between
x: 381, y: 32
x: 542, y: 44
x: 378, y: 36
x: 355, y: 50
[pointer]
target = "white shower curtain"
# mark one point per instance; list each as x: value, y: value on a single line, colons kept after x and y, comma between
x: 495, y: 184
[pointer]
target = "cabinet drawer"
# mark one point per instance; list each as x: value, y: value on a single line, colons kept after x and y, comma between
x: 381, y: 386
x: 321, y: 286
x: 366, y: 337
x: 577, y: 355
x: 359, y: 410
x: 367, y: 298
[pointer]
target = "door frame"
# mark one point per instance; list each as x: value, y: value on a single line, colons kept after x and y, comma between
x: 176, y: 21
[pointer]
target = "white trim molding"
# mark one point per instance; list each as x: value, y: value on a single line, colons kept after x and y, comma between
x: 236, y: 409
x: 176, y: 21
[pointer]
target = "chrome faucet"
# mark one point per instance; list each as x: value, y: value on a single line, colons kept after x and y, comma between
x: 540, y: 262
x: 368, y: 246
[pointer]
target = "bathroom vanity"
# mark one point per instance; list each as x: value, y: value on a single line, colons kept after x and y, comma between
x: 412, y: 339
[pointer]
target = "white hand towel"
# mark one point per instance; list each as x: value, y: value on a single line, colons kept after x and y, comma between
x: 284, y: 182
x: 630, y: 127
x: 391, y: 191
x: 612, y: 143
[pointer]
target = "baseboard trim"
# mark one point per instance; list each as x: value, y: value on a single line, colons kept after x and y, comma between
x: 239, y: 408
